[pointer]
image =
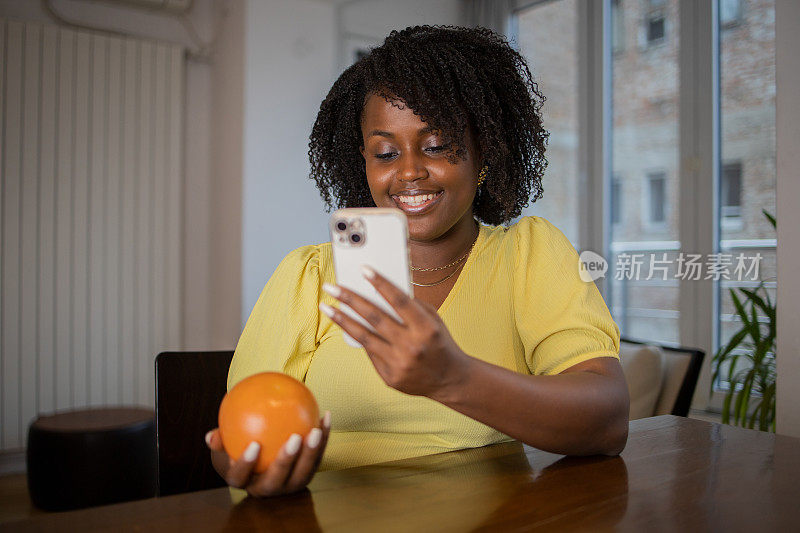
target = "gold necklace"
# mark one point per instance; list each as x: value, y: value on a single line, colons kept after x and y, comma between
x: 448, y: 265
x: 450, y: 275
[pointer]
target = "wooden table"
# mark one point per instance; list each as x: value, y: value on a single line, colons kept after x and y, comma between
x: 675, y: 474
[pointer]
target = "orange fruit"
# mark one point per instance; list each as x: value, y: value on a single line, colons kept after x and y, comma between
x: 267, y: 408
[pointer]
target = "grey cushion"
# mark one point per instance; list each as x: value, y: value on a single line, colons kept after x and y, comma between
x: 642, y: 366
x: 674, y: 366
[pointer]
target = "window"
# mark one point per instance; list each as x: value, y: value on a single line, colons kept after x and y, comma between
x: 618, y: 25
x: 730, y: 13
x: 646, y: 114
x: 644, y: 163
x: 616, y: 200
x: 656, y: 182
x: 747, y: 154
x: 655, y: 28
x: 547, y: 37
x: 731, y: 190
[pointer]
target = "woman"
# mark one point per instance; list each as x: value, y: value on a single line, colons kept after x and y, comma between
x: 502, y: 340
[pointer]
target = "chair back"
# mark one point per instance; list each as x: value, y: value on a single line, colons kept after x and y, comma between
x: 189, y: 388
x: 680, y: 370
x: 642, y: 366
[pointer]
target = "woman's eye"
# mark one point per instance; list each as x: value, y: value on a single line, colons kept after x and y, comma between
x: 386, y: 155
x: 436, y: 149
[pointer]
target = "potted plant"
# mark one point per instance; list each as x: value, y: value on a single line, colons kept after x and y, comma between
x: 753, y: 344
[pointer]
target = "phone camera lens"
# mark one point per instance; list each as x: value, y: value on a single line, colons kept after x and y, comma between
x: 355, y: 237
x: 341, y: 225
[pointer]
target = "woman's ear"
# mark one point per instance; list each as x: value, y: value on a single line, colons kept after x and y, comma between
x: 361, y: 149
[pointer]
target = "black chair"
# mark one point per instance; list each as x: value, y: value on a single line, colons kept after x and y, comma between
x: 189, y: 389
x: 688, y: 384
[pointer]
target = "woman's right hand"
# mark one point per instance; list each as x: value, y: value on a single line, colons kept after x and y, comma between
x: 290, y: 472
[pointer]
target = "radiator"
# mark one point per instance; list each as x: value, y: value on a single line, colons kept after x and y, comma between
x: 90, y: 262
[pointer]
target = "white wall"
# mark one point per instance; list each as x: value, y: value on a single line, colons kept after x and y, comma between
x: 246, y: 184
x: 227, y: 160
x: 378, y: 17
x: 367, y: 22
x: 294, y: 52
x: 289, y: 67
x: 787, y: 42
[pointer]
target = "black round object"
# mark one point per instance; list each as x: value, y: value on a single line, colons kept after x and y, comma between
x: 91, y: 457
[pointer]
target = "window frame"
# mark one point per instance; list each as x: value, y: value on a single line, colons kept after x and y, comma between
x: 648, y: 22
x: 617, y: 190
x: 730, y: 221
x: 648, y: 222
x: 618, y: 25
x: 733, y: 22
x: 698, y: 153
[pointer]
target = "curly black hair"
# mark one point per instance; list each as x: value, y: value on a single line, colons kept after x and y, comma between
x: 453, y: 78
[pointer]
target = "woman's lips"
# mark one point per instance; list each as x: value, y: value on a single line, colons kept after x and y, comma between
x: 416, y: 207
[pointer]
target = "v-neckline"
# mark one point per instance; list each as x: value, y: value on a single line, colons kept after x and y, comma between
x: 459, y: 280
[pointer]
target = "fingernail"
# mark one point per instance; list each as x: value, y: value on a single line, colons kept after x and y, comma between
x: 208, y: 438
x: 327, y: 309
x: 367, y: 271
x: 293, y: 444
x: 326, y: 420
x: 251, y: 453
x: 333, y: 290
x: 314, y: 437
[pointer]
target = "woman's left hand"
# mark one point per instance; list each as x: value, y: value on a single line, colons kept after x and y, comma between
x: 418, y: 356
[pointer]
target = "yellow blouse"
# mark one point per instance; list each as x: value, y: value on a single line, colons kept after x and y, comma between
x: 518, y: 302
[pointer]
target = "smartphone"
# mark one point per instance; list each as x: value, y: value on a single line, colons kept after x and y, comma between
x: 373, y: 236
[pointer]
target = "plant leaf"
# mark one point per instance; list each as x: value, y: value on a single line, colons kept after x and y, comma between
x: 770, y: 218
x: 733, y: 343
x: 757, y: 300
x: 737, y: 407
x: 766, y: 401
x: 753, y: 416
x: 743, y: 316
x: 722, y: 355
x: 726, y: 407
x: 756, y: 326
x: 747, y: 389
x: 754, y: 343
x: 733, y: 378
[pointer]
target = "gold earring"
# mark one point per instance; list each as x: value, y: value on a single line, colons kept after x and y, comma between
x: 482, y: 175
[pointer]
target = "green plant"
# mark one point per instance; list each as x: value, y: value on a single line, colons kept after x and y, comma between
x: 755, y: 344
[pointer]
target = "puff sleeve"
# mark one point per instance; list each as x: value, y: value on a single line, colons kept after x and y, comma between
x: 281, y: 333
x: 562, y: 320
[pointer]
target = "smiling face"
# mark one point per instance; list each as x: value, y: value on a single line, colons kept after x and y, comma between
x: 408, y: 167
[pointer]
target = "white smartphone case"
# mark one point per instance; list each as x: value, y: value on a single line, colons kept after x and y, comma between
x: 383, y: 246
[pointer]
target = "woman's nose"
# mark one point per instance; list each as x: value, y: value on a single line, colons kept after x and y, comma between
x: 411, y: 168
